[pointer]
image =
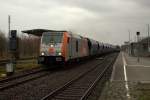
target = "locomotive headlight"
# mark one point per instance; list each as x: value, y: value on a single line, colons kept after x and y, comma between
x: 59, y: 53
x: 42, y: 53
x: 51, y: 45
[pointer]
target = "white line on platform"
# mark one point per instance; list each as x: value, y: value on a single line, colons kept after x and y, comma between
x: 125, y: 76
x: 146, y: 66
x: 138, y: 66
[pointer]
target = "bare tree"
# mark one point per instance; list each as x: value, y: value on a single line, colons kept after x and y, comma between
x: 28, y: 46
x: 3, y: 45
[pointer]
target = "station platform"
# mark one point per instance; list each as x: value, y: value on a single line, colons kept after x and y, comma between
x: 133, y: 61
x: 130, y: 79
x: 129, y: 68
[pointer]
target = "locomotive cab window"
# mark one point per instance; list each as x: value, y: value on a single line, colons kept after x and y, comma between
x: 52, y: 37
x: 68, y: 39
x: 98, y: 46
x: 76, y: 46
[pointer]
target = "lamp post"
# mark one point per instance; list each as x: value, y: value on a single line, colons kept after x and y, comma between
x: 148, y: 42
x: 12, y: 47
x: 138, y: 46
x: 129, y: 43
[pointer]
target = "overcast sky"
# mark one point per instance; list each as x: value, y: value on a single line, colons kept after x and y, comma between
x: 103, y: 20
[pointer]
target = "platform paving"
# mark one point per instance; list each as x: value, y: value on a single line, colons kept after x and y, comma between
x: 128, y: 74
x: 133, y: 61
x: 135, y: 70
x: 117, y: 74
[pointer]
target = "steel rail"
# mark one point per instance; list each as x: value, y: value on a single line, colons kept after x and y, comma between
x: 14, y: 81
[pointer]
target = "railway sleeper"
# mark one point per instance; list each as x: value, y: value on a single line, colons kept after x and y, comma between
x: 67, y: 98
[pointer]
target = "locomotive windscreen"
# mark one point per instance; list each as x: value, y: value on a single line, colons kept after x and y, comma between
x: 52, y: 37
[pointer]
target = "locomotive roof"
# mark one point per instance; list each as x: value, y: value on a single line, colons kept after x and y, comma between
x: 39, y: 32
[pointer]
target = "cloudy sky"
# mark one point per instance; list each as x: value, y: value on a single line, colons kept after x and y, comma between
x: 103, y: 20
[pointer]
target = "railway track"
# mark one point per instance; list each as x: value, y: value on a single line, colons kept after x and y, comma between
x: 23, y: 78
x: 80, y: 87
x: 3, y: 62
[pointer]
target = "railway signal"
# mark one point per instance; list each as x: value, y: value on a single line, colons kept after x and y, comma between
x: 13, y: 41
x: 12, y: 50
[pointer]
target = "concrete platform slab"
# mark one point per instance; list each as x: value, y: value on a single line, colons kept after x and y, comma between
x: 133, y: 71
x: 143, y: 61
x: 117, y: 74
x: 138, y: 73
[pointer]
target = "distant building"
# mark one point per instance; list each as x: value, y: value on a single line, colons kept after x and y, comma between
x: 144, y: 47
x: 137, y: 49
x: 125, y: 47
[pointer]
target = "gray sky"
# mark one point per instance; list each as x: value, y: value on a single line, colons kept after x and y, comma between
x: 103, y: 20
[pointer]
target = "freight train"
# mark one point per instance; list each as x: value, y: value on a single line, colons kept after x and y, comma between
x: 60, y: 47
